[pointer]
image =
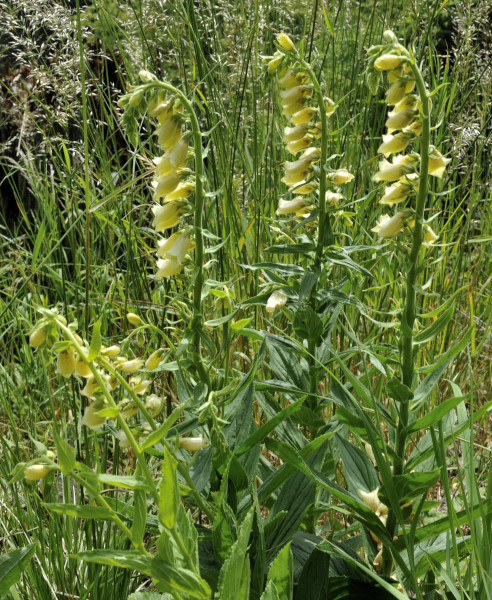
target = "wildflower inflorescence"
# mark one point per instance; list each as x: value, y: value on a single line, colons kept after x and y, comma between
x: 404, y: 126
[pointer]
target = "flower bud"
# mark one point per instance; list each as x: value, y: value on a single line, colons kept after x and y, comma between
x: 82, y: 368
x: 387, y: 62
x: 65, y: 363
x: 154, y: 360
x: 284, y: 40
x: 275, y: 63
x: 111, y: 351
x: 133, y: 319
x: 36, y: 472
x: 192, y: 443
x: 146, y: 76
x: 130, y: 366
x: 37, y: 337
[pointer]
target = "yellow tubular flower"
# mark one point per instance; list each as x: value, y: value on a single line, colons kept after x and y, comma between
x: 307, y: 188
x: 299, y: 145
x: 175, y: 246
x: 340, y: 177
x: 82, y: 368
x: 393, y: 144
x: 284, y: 40
x: 65, y: 363
x: 295, y: 94
x: 275, y: 63
x: 437, y: 163
x: 165, y: 185
x: 332, y: 198
x: 288, y: 80
x: 387, y: 62
x: 399, y: 120
x: 154, y: 360
x: 91, y: 419
x: 130, y: 366
x: 397, y: 193
x: 429, y: 236
x: 393, y: 171
x: 304, y: 116
x: 286, y: 207
x: 167, y: 216
x: 291, y: 109
x: 184, y: 189
x: 292, y: 134
x: 389, y: 226
x: 168, y: 267
x: 296, y: 171
x: 169, y: 133
x: 409, y: 101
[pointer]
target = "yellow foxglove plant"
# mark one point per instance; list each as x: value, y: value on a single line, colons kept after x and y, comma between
x: 115, y: 387
x: 313, y: 200
x: 177, y: 189
x: 408, y: 176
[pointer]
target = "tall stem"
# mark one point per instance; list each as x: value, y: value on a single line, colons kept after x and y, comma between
x: 408, y: 317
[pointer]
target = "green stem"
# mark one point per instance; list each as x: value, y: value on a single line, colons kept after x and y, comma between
x: 115, y: 518
x: 408, y: 316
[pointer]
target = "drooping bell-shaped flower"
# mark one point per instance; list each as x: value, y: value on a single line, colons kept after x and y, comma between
x: 276, y: 300
x: 167, y: 216
x: 389, y: 226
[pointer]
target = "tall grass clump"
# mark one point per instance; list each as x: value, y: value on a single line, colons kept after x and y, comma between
x: 245, y: 310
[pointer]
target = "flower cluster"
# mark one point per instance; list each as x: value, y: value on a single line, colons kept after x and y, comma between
x: 173, y: 183
x: 103, y: 373
x: 300, y: 105
x: 404, y: 125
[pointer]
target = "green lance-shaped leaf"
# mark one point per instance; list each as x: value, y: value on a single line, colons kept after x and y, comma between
x: 235, y: 573
x: 358, y: 469
x: 81, y: 511
x: 169, y: 491
x: 11, y: 566
x: 281, y: 573
x: 270, y: 592
x: 66, y: 458
x: 95, y: 346
x: 139, y: 516
x: 170, y: 578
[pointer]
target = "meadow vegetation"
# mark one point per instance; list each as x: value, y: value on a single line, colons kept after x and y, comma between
x: 245, y: 300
